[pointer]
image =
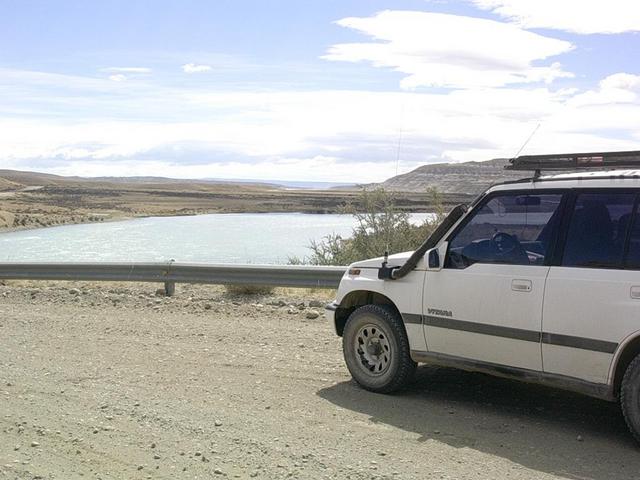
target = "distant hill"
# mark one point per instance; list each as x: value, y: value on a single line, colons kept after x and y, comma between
x: 22, y: 179
x: 467, y: 177
x: 451, y: 178
x: 16, y: 179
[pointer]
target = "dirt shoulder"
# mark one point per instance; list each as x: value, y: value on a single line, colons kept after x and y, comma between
x: 112, y: 382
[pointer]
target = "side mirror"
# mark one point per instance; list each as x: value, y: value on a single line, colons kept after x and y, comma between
x: 435, y: 257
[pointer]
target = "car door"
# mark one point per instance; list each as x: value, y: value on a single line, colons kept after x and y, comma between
x: 592, y: 297
x: 486, y: 303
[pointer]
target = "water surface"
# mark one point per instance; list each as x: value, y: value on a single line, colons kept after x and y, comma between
x: 269, y: 238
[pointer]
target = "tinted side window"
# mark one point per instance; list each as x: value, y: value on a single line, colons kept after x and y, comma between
x: 510, y: 228
x: 598, y: 230
x: 633, y: 249
x: 633, y: 254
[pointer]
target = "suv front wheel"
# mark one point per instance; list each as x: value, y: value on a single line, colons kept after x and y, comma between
x: 376, y: 349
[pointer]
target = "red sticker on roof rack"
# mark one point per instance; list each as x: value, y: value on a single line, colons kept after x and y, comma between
x: 596, y: 160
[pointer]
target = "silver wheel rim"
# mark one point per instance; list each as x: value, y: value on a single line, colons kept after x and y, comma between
x: 373, y: 350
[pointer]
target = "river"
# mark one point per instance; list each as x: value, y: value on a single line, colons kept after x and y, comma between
x: 258, y: 238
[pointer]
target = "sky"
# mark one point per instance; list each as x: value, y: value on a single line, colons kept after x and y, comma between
x: 311, y: 90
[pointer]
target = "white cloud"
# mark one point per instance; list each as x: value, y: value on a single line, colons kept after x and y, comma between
x: 127, y: 70
x: 120, y: 74
x: 193, y: 68
x: 118, y: 77
x: 619, y: 88
x: 332, y: 135
x: 624, y: 81
x: 435, y: 49
x: 578, y: 16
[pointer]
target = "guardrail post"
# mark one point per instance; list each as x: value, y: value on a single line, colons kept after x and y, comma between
x: 169, y: 289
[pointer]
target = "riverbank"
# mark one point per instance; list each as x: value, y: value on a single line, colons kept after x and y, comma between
x: 21, y: 222
x: 92, y: 202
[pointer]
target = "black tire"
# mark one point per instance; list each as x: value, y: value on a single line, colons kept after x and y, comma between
x: 630, y: 397
x: 376, y: 349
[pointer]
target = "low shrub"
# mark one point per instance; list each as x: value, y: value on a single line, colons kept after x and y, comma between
x: 248, y: 289
x: 380, y: 227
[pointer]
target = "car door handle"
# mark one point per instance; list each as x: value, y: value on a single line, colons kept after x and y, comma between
x: 521, y: 285
x: 635, y: 291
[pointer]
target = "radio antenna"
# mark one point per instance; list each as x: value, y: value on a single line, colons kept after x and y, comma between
x: 527, y: 140
x: 400, y: 132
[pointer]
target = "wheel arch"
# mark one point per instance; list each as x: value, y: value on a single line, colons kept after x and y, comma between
x: 359, y: 298
x: 627, y: 351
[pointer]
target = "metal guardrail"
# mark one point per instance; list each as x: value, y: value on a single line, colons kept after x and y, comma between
x: 172, y: 273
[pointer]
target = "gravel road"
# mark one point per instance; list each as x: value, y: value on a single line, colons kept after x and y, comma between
x: 112, y: 382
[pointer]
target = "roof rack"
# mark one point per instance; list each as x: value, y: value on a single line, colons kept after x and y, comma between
x: 575, y: 161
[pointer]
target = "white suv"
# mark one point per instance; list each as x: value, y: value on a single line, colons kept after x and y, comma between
x: 538, y: 280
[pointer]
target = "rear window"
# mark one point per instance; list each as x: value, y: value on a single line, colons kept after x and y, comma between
x: 598, y: 230
x: 633, y: 249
